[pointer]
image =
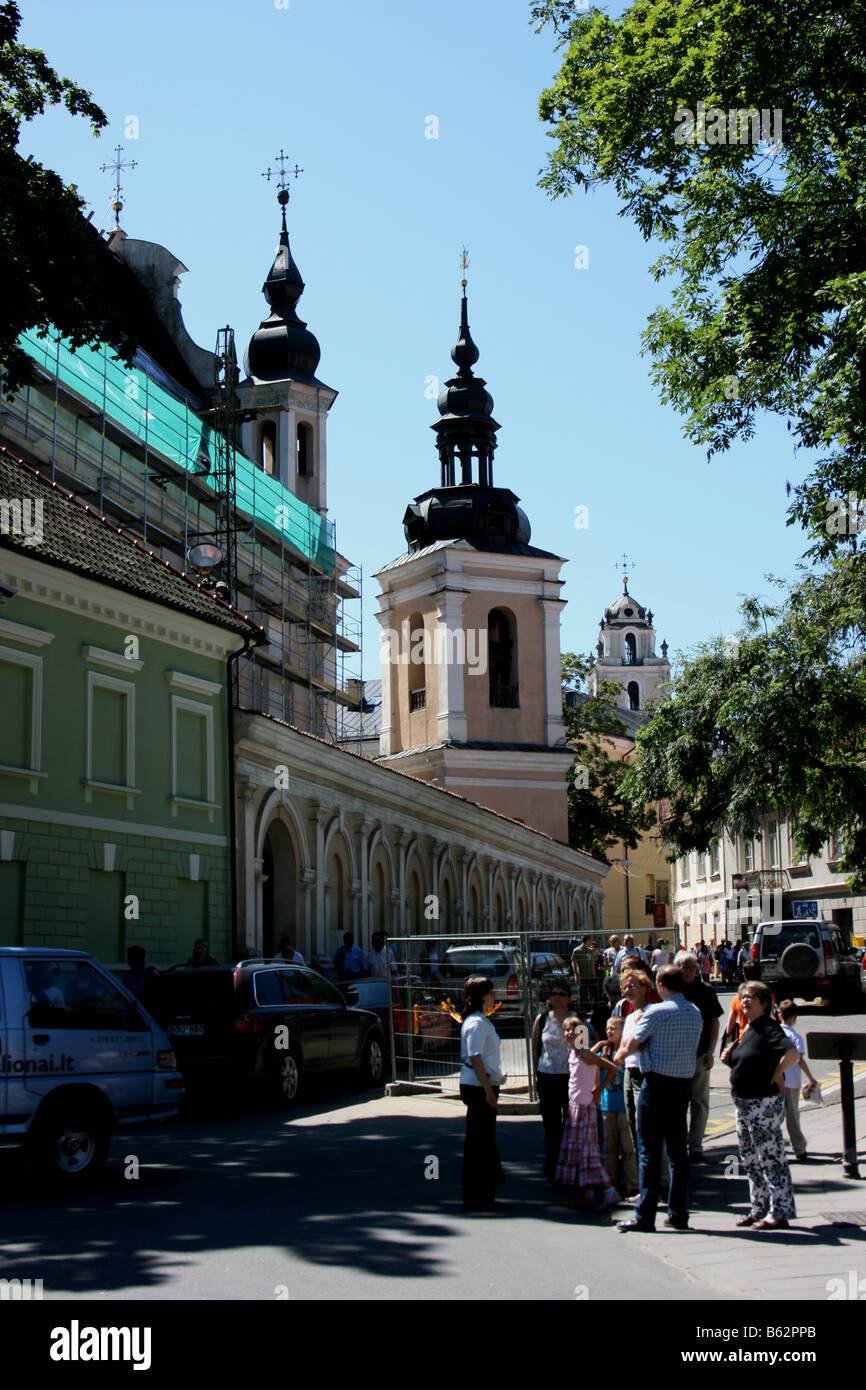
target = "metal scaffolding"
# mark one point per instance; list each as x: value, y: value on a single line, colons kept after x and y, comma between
x: 165, y: 466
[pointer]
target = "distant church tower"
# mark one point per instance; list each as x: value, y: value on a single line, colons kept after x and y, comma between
x: 471, y: 678
x: 285, y: 404
x: 626, y: 653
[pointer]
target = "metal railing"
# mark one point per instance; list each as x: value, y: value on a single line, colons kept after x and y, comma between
x: 425, y: 985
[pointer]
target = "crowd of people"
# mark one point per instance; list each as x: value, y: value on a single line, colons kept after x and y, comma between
x: 724, y: 962
x: 623, y: 1087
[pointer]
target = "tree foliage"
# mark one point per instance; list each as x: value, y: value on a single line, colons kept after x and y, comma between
x: 598, y: 816
x: 765, y: 244
x: 53, y: 266
x: 774, y: 719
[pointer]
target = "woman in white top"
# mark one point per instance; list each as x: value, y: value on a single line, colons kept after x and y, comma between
x: 550, y: 1061
x: 660, y: 958
x: 480, y: 1079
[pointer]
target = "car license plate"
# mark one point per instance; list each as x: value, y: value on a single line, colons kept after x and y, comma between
x: 185, y: 1030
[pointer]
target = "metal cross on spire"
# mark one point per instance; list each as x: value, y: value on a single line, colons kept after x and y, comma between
x: 624, y: 564
x: 117, y: 166
x: 282, y: 177
x: 464, y: 266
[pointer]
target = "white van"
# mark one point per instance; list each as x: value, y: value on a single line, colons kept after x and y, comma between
x: 78, y: 1056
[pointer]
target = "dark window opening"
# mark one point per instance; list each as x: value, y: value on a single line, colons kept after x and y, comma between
x: 633, y: 695
x: 305, y: 451
x: 502, y: 659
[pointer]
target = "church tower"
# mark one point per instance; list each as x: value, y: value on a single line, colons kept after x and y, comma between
x: 285, y: 405
x: 626, y: 653
x: 471, y: 677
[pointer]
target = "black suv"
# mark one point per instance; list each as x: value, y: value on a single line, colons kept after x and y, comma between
x: 270, y: 1024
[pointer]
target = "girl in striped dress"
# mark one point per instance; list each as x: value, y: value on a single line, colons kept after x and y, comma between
x: 580, y: 1164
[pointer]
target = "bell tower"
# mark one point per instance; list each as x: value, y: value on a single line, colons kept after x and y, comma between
x: 470, y: 614
x: 626, y: 653
x: 285, y: 404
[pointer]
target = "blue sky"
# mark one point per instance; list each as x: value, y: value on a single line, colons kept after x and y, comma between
x: 377, y: 221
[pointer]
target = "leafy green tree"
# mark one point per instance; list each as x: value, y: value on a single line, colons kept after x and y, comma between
x: 53, y: 266
x: 774, y: 719
x: 765, y: 244
x: 598, y: 816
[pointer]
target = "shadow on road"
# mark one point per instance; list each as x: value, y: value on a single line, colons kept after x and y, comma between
x: 337, y: 1192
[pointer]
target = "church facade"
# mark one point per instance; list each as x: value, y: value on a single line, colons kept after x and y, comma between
x: 458, y: 822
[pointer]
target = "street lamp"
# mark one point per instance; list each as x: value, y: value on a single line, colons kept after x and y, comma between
x: 622, y: 865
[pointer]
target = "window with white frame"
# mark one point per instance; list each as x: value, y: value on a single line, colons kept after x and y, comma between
x: 21, y: 721
x: 109, y: 755
x: 773, y: 844
x: 715, y: 860
x: 748, y: 854
x: 702, y: 864
x: 684, y: 868
x: 193, y: 776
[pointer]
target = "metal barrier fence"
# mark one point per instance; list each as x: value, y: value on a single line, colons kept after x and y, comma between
x: 425, y: 983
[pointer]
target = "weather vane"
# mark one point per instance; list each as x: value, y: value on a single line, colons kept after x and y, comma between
x: 464, y: 266
x: 117, y: 166
x: 281, y: 177
x: 624, y: 564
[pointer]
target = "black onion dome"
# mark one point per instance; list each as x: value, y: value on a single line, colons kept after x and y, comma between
x: 487, y: 517
x: 282, y: 346
x: 465, y: 395
x: 464, y: 353
x: 465, y: 431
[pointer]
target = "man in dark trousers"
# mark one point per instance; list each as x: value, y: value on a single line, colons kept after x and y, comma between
x: 703, y: 997
x: 666, y: 1037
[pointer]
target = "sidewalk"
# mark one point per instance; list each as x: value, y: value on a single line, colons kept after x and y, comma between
x: 795, y: 1264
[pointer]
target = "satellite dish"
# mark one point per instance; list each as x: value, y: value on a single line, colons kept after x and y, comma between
x: 205, y: 556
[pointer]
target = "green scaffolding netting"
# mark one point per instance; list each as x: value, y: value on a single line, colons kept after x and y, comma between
x: 169, y: 428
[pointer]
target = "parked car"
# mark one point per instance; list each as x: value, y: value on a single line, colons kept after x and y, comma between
x: 500, y: 963
x: 79, y: 1055
x: 273, y: 1025
x: 416, y: 1010
x: 807, y: 958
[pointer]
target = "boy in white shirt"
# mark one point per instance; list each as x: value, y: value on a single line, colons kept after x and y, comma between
x: 788, y: 1017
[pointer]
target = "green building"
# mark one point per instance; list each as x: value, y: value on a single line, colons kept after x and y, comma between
x: 115, y: 784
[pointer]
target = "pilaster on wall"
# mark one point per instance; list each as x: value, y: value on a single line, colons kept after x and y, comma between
x: 553, y: 721
x: 451, y: 719
x: 317, y: 817
x: 386, y: 733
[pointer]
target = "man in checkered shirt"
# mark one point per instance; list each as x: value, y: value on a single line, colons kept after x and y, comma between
x: 666, y: 1037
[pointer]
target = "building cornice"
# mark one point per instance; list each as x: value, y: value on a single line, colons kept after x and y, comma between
x: 58, y: 588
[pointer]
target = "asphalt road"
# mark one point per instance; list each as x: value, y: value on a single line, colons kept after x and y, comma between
x: 333, y: 1201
